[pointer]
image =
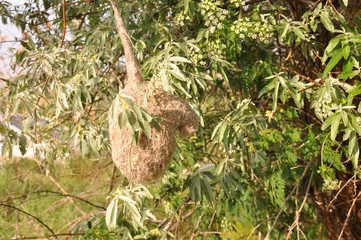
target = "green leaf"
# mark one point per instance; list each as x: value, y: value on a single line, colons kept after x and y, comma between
x: 348, y: 65
x: 326, y: 21
x: 156, y: 125
x: 346, y: 49
x: 346, y: 75
x: 206, y: 187
x: 347, y: 134
x: 132, y: 119
x: 333, y: 61
x: 4, y: 148
x: 186, y: 5
x: 334, y: 126
x: 268, y: 87
x: 92, y: 146
x: 354, y: 149
x: 353, y: 121
x: 223, y: 73
x: 123, y: 118
x: 2, y: 129
x: 195, y: 188
x: 275, y: 97
x: 179, y: 59
x: 328, y: 121
x: 206, y: 167
x: 222, y: 130
x: 146, y: 128
x: 344, y: 118
x: 216, y: 130
x: 25, y: 45
x: 112, y: 215
x: 284, y: 32
x: 140, y: 113
x: 355, y: 154
x: 178, y: 75
x: 334, y: 42
x: 299, y: 33
x: 22, y: 144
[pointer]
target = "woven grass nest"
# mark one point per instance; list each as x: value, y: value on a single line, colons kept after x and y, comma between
x: 149, y: 159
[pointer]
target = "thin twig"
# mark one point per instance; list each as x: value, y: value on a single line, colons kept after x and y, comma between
x: 187, y: 215
x: 79, y: 219
x: 340, y: 190
x: 37, y: 219
x: 219, y: 233
x: 333, y: 7
x: 61, y: 5
x: 112, y: 179
x: 72, y: 196
x: 70, y: 199
x: 295, y: 223
x: 97, y: 90
x: 212, y: 219
x: 211, y: 222
x: 49, y: 236
x: 288, y: 57
x: 318, y: 56
x: 281, y: 106
x: 197, y: 226
x: 53, y: 192
x: 69, y: 17
x: 303, y: 144
x: 37, y: 102
x: 348, y: 215
x: 64, y: 23
x: 286, y: 200
x: 302, y: 76
x: 255, y: 228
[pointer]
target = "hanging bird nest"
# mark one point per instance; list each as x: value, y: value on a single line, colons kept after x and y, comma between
x: 148, y: 160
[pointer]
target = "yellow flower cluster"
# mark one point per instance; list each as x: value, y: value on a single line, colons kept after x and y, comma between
x: 324, y: 107
x: 77, y: 78
x: 212, y: 49
x: 226, y: 225
x: 260, y: 31
x: 123, y: 105
x: 181, y: 17
x: 213, y: 14
x: 155, y: 84
x: 238, y: 3
x: 155, y: 232
x: 269, y: 115
x: 329, y: 184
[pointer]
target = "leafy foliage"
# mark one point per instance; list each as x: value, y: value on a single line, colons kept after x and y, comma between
x: 275, y: 83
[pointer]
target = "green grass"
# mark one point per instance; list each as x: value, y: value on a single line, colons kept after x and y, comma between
x: 27, y: 188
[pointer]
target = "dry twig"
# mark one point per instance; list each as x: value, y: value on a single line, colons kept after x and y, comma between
x: 295, y: 223
x: 36, y: 218
x: 287, y: 198
x: 348, y: 215
x: 197, y: 226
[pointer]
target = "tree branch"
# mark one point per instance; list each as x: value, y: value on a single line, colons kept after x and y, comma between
x: 26, y: 213
x: 48, y: 236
